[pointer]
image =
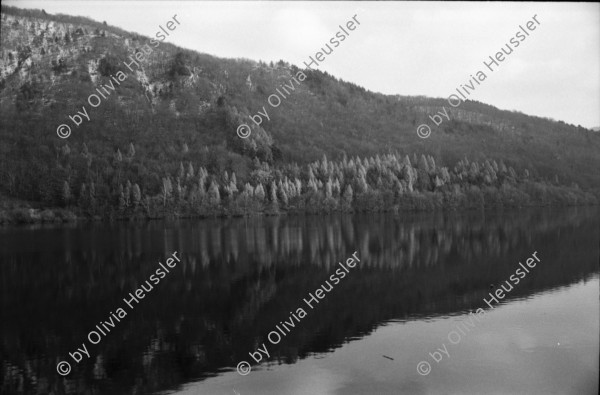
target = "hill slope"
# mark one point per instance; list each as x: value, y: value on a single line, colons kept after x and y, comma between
x: 181, y: 108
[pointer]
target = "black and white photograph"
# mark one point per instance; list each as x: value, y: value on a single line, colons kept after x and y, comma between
x: 299, y: 197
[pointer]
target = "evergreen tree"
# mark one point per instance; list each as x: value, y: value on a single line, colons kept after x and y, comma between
x: 361, y: 184
x: 127, y: 194
x: 131, y: 151
x: 214, y: 197
x: 248, y: 190
x: 259, y: 193
x: 328, y: 190
x: 231, y: 189
x: 423, y: 165
x: 445, y: 176
x: 431, y: 163
x: 284, y: 198
x: 190, y: 171
x: 178, y: 192
x: 398, y: 190
x: 167, y: 189
x: 273, y: 194
x: 409, y: 175
x: 122, y: 203
x: 136, y: 195
x: 348, y: 197
x: 181, y: 172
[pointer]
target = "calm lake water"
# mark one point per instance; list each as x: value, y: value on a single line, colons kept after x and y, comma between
x: 418, y: 279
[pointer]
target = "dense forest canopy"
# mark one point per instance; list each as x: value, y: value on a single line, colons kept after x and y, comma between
x: 164, y: 140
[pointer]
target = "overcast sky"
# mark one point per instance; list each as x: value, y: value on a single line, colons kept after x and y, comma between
x: 401, y: 48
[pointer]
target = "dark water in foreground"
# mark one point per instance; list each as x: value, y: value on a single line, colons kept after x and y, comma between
x: 418, y: 278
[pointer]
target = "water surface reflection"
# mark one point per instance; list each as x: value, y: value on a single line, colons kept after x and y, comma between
x: 238, y: 278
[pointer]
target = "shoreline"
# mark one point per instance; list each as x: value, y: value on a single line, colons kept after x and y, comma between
x: 26, y: 215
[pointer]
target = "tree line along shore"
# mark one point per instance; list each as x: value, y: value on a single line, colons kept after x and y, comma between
x: 381, y: 183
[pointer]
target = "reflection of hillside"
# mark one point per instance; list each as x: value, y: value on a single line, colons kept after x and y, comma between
x: 238, y: 278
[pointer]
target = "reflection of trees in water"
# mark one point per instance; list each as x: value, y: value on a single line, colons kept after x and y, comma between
x: 390, y: 242
x: 240, y: 277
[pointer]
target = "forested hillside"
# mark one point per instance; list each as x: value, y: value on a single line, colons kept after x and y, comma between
x: 164, y: 141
